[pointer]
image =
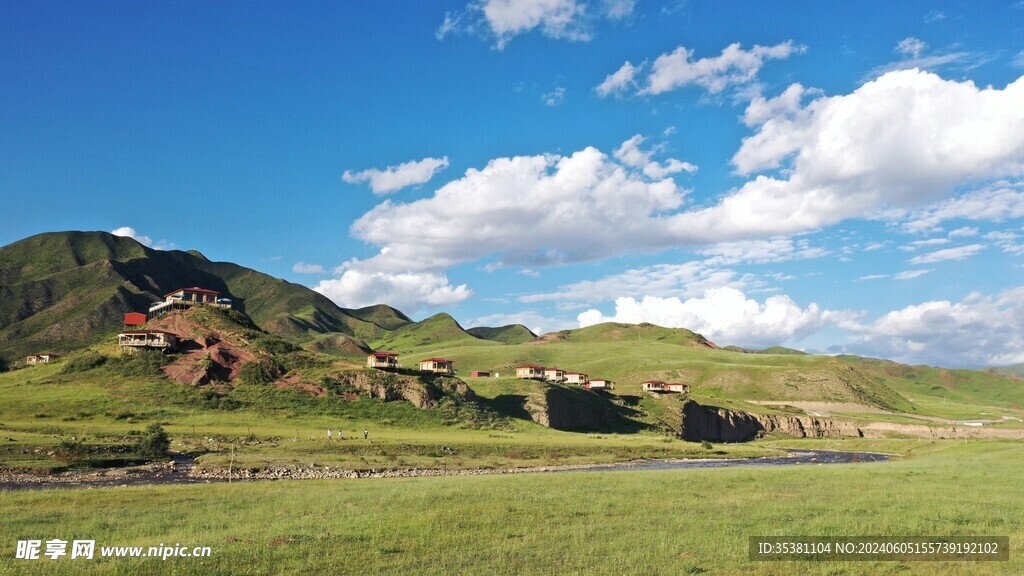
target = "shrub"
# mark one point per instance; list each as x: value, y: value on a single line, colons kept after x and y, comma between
x: 70, y: 450
x: 154, y: 443
x: 83, y: 362
x: 258, y: 372
x: 139, y: 363
x: 706, y: 445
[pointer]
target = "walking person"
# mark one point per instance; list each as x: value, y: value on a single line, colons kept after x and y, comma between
x: 366, y: 434
x: 328, y: 433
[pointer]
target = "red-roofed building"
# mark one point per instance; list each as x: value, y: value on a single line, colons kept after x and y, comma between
x: 554, y: 374
x: 437, y: 366
x: 576, y: 378
x: 600, y: 384
x: 530, y: 371
x: 383, y: 361
x: 183, y: 298
x: 134, y: 319
x: 132, y: 340
x: 659, y: 386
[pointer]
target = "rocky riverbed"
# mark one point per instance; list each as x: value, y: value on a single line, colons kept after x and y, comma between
x: 182, y: 471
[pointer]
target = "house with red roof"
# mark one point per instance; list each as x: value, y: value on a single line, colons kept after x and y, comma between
x: 184, y: 298
x: 133, y: 340
x: 437, y: 366
x: 530, y: 372
x: 383, y: 361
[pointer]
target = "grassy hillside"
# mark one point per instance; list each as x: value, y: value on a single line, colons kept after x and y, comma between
x: 382, y: 315
x: 60, y: 291
x: 769, y: 350
x: 511, y: 334
x: 438, y: 331
x: 617, y: 332
x: 1016, y: 370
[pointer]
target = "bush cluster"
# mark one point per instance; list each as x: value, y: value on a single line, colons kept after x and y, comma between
x: 83, y: 362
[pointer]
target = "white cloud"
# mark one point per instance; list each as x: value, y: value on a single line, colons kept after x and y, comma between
x: 1018, y: 60
x: 996, y: 202
x: 619, y: 9
x: 725, y: 315
x: 1006, y: 241
x: 630, y: 154
x: 911, y: 274
x: 406, y: 290
x: 934, y: 16
x: 555, y: 97
x: 129, y: 232
x: 929, y: 242
x: 965, y: 232
x: 911, y: 46
x: 901, y: 140
x: 958, y: 253
x: 305, y: 268
x: 503, y: 20
x: 665, y: 280
x: 762, y: 251
x: 618, y: 82
x: 977, y: 331
x: 394, y: 178
x: 677, y: 69
x: 577, y: 208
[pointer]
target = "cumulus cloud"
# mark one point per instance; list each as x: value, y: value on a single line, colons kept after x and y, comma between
x: 677, y: 69
x: 725, y: 315
x: 905, y: 139
x: 129, y: 232
x: 977, y: 331
x: 618, y: 82
x: 577, y: 208
x: 957, y: 253
x: 503, y: 20
x: 394, y: 178
x: 410, y: 291
x: 305, y: 268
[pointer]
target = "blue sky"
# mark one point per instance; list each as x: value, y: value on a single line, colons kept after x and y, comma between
x: 842, y: 177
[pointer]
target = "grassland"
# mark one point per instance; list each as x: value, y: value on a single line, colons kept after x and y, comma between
x: 666, y: 522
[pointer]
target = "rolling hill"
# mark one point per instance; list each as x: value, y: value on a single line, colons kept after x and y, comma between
x: 511, y: 334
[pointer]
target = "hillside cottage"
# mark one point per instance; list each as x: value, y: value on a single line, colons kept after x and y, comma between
x: 554, y: 374
x: 383, y: 361
x: 44, y: 358
x: 660, y: 387
x: 577, y: 378
x: 130, y: 341
x: 600, y: 384
x: 183, y: 298
x: 437, y: 366
x: 530, y: 371
x: 480, y: 374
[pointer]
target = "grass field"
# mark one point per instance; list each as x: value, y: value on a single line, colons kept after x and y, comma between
x: 666, y: 522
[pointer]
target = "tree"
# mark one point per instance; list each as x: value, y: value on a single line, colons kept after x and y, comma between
x: 154, y: 443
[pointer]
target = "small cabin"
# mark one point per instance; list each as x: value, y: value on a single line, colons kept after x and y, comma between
x: 383, y: 361
x: 133, y: 340
x: 578, y: 378
x: 530, y: 371
x: 662, y: 387
x: 44, y: 358
x: 437, y: 366
x: 554, y: 374
x: 134, y: 319
x: 183, y: 298
x: 480, y: 374
x: 600, y: 384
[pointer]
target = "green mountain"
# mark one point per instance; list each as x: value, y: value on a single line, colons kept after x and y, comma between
x: 617, y: 332
x: 438, y: 331
x: 511, y: 334
x: 62, y: 290
x: 382, y: 315
x: 769, y: 350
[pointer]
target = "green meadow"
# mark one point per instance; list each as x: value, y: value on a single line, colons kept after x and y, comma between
x: 663, y: 522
